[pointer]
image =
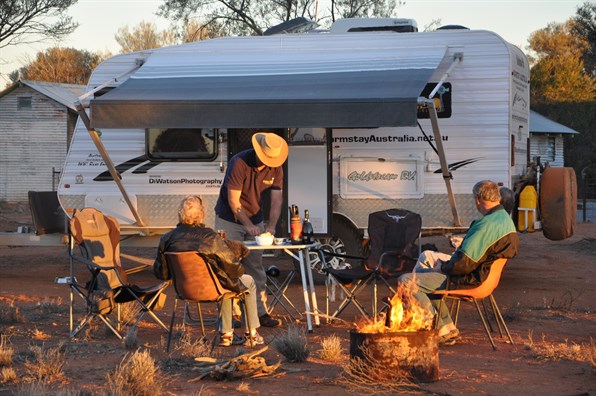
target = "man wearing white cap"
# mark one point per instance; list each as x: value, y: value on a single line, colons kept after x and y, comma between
x: 238, y: 209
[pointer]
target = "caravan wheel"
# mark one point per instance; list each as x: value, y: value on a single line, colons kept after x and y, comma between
x: 345, y: 240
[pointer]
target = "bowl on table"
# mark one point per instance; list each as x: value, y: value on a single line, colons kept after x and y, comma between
x: 279, y: 241
x: 265, y: 239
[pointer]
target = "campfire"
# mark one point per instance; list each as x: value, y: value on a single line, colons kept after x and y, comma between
x: 401, y: 340
x: 404, y: 313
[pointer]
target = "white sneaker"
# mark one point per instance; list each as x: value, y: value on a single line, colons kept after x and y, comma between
x: 254, y: 340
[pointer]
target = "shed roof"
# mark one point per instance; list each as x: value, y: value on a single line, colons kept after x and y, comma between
x: 542, y: 124
x: 66, y: 94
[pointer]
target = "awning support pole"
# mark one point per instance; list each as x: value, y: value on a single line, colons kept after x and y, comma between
x: 108, y: 161
x: 110, y: 81
x: 434, y: 120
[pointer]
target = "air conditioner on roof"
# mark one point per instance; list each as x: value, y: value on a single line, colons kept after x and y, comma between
x: 399, y: 25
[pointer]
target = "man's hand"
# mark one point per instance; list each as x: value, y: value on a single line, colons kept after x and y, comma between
x: 253, y: 230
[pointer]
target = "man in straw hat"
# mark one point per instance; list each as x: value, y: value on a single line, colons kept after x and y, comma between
x: 238, y: 209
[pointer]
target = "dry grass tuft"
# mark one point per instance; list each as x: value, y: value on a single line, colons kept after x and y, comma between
x: 50, y: 305
x: 191, y: 347
x: 293, y: 344
x: 552, y: 352
x: 6, y: 352
x: 128, y: 310
x: 7, y: 375
x: 136, y: 375
x: 563, y: 303
x: 47, y: 365
x: 331, y: 348
x: 40, y: 335
x: 243, y: 387
x: 10, y: 313
x: 368, y: 376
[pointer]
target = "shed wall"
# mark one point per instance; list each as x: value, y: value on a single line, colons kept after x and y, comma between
x: 33, y: 142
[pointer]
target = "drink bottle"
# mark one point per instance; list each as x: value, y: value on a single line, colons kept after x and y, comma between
x: 307, y: 229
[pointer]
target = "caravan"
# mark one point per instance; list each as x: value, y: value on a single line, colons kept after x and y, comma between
x: 374, y: 120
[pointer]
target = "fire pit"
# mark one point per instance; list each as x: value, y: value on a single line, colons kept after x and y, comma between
x: 400, y: 340
x: 414, y: 352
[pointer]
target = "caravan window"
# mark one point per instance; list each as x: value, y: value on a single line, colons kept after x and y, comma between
x: 175, y: 144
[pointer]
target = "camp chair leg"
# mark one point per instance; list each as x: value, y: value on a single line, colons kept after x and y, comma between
x: 500, y: 317
x: 487, y: 316
x: 278, y: 291
x: 172, y: 325
x: 484, y: 324
x: 351, y: 298
x: 201, y: 319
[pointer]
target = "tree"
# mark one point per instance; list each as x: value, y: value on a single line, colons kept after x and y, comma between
x: 25, y: 21
x: 585, y: 26
x: 253, y: 17
x: 557, y: 73
x: 143, y: 36
x: 61, y: 65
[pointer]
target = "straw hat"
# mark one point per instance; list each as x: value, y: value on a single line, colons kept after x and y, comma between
x: 271, y: 149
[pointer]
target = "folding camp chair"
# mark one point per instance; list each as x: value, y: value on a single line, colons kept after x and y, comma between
x: 393, y: 234
x: 98, y: 237
x: 485, y: 290
x: 196, y: 282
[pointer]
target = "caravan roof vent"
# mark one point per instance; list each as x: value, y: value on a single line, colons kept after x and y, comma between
x: 399, y: 25
x: 296, y: 25
x: 453, y: 27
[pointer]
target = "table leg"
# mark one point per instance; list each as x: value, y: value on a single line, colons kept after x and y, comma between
x: 305, y: 290
x: 313, y: 297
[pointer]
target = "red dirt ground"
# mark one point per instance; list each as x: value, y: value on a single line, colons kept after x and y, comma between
x: 546, y: 293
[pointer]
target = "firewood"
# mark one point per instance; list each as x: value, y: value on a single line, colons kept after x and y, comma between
x: 247, y: 365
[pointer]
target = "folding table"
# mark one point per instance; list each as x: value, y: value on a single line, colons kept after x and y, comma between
x: 300, y: 253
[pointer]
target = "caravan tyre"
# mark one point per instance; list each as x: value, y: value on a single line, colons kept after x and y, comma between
x: 345, y: 240
x: 558, y: 202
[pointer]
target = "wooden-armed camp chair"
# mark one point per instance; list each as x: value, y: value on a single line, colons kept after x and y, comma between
x: 195, y: 282
x: 393, y: 234
x: 479, y: 293
x: 108, y: 286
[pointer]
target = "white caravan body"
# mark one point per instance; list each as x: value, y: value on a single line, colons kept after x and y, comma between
x: 376, y: 164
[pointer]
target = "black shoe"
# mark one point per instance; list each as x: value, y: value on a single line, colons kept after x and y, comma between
x: 267, y: 321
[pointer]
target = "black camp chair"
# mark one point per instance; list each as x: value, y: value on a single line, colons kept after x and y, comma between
x: 393, y: 250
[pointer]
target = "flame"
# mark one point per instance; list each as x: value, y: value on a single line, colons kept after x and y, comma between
x: 405, y: 314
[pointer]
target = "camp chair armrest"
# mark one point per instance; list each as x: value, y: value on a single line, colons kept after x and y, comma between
x: 322, y: 253
x: 97, y: 267
x: 394, y: 254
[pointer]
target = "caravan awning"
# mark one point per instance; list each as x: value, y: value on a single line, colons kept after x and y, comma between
x: 271, y: 88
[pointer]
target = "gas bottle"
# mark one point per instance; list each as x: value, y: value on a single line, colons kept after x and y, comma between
x: 528, y: 200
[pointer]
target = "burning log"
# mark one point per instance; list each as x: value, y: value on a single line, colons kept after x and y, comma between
x: 243, y: 366
x: 400, y: 340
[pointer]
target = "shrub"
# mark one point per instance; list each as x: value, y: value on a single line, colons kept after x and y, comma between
x: 136, y: 375
x: 48, y: 363
x: 292, y: 345
x: 331, y: 348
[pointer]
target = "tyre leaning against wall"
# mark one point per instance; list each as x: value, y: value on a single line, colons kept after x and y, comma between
x: 558, y: 202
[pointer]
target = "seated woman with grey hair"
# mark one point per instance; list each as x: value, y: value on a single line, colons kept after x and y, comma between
x: 224, y: 256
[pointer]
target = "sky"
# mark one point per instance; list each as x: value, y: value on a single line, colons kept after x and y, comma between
x: 99, y: 20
